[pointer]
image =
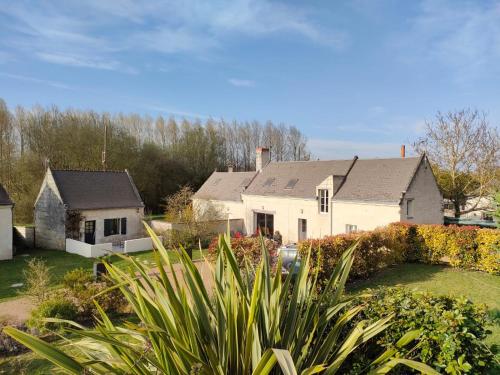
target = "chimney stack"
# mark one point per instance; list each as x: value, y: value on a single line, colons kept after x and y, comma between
x: 403, y: 151
x: 230, y: 168
x: 262, y: 158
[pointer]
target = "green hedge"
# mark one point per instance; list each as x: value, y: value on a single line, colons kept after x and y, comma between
x: 453, y: 329
x: 465, y: 247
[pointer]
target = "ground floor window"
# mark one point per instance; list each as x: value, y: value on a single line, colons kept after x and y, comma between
x: 350, y: 228
x: 111, y: 227
x: 265, y: 224
x: 123, y: 229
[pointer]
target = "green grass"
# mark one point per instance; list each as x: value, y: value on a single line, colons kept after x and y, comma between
x: 479, y: 287
x: 60, y: 262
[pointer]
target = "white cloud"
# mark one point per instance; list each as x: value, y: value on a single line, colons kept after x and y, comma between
x: 96, y: 33
x: 18, y: 77
x: 241, y: 82
x: 464, y: 37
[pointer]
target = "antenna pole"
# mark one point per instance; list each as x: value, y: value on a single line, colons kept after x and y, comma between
x: 105, y: 145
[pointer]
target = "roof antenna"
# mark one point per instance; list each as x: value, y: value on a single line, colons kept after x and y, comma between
x: 105, y: 146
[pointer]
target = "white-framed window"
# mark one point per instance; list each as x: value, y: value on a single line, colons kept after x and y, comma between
x: 323, y: 200
x: 350, y: 228
x: 409, y: 208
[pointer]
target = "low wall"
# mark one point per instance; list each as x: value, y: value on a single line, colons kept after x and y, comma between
x: 87, y: 250
x: 141, y: 244
x: 26, y: 235
x: 219, y: 226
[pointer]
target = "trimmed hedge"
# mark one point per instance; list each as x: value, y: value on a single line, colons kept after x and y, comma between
x: 465, y: 247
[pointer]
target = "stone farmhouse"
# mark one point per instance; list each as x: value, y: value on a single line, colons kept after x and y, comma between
x: 90, y: 206
x: 6, y: 206
x: 312, y: 199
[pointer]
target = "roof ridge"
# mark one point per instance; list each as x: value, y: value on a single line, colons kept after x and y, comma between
x: 87, y: 170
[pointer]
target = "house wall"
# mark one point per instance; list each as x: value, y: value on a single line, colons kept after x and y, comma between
x: 427, y: 199
x: 366, y: 216
x: 135, y: 228
x: 50, y: 216
x: 287, y: 212
x: 228, y: 209
x: 5, y: 232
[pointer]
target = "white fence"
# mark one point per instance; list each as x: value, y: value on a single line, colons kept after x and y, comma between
x: 87, y: 250
x: 141, y: 244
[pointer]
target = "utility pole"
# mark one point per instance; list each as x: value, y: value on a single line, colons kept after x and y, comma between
x: 105, y: 145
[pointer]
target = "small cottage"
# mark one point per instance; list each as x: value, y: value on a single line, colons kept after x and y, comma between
x: 6, y: 206
x: 89, y: 206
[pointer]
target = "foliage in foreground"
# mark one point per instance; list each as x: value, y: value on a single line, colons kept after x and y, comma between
x: 452, y: 330
x: 250, y: 322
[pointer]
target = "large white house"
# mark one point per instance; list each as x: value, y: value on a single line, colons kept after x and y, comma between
x: 311, y: 199
x: 5, y: 225
x: 94, y: 207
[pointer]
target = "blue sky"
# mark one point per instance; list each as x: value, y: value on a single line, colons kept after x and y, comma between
x: 357, y: 77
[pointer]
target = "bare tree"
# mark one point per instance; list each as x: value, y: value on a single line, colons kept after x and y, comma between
x: 464, y: 150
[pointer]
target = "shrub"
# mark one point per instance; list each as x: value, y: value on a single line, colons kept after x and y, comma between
x: 54, y: 307
x: 82, y: 290
x: 77, y: 278
x: 37, y: 280
x: 488, y: 250
x: 245, y: 248
x: 452, y: 330
x: 268, y: 326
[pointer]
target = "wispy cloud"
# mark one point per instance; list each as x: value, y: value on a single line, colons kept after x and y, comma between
x: 461, y: 36
x: 241, y: 82
x: 98, y: 34
x: 169, y: 111
x: 18, y: 77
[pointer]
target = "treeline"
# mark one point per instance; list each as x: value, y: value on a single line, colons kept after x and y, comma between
x: 161, y: 154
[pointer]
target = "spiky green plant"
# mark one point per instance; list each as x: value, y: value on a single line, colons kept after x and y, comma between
x: 253, y: 322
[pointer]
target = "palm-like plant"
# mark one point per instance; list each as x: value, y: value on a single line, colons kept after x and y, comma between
x: 250, y: 322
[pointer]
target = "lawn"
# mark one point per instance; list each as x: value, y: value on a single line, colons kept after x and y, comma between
x: 60, y: 262
x: 479, y: 287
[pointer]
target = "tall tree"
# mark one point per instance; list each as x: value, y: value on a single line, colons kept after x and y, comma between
x: 464, y: 151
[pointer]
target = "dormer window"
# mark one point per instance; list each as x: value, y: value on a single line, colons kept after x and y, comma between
x: 323, y: 200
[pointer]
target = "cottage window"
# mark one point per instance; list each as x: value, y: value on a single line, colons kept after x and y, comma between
x: 111, y: 227
x: 409, y: 208
x: 323, y: 200
x: 123, y: 225
x: 350, y: 228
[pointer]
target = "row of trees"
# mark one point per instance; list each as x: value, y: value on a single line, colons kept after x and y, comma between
x: 161, y: 154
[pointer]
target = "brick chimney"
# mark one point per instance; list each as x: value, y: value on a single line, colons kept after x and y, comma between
x: 403, y: 151
x: 262, y: 158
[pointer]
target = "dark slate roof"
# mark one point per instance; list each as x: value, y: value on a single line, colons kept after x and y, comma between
x: 86, y: 190
x: 4, y: 197
x: 225, y: 186
x: 277, y: 177
x: 378, y: 180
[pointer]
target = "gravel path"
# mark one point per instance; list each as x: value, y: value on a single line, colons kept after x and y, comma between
x: 16, y: 310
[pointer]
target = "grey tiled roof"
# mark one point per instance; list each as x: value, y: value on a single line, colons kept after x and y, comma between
x: 378, y: 180
x: 4, y: 197
x: 85, y: 190
x: 275, y: 177
x: 225, y: 186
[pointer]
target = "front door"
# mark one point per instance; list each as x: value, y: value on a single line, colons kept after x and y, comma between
x: 265, y: 224
x: 90, y: 232
x: 302, y: 229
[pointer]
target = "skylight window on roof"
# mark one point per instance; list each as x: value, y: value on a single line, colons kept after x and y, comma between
x: 291, y: 184
x: 269, y: 181
x: 216, y: 182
